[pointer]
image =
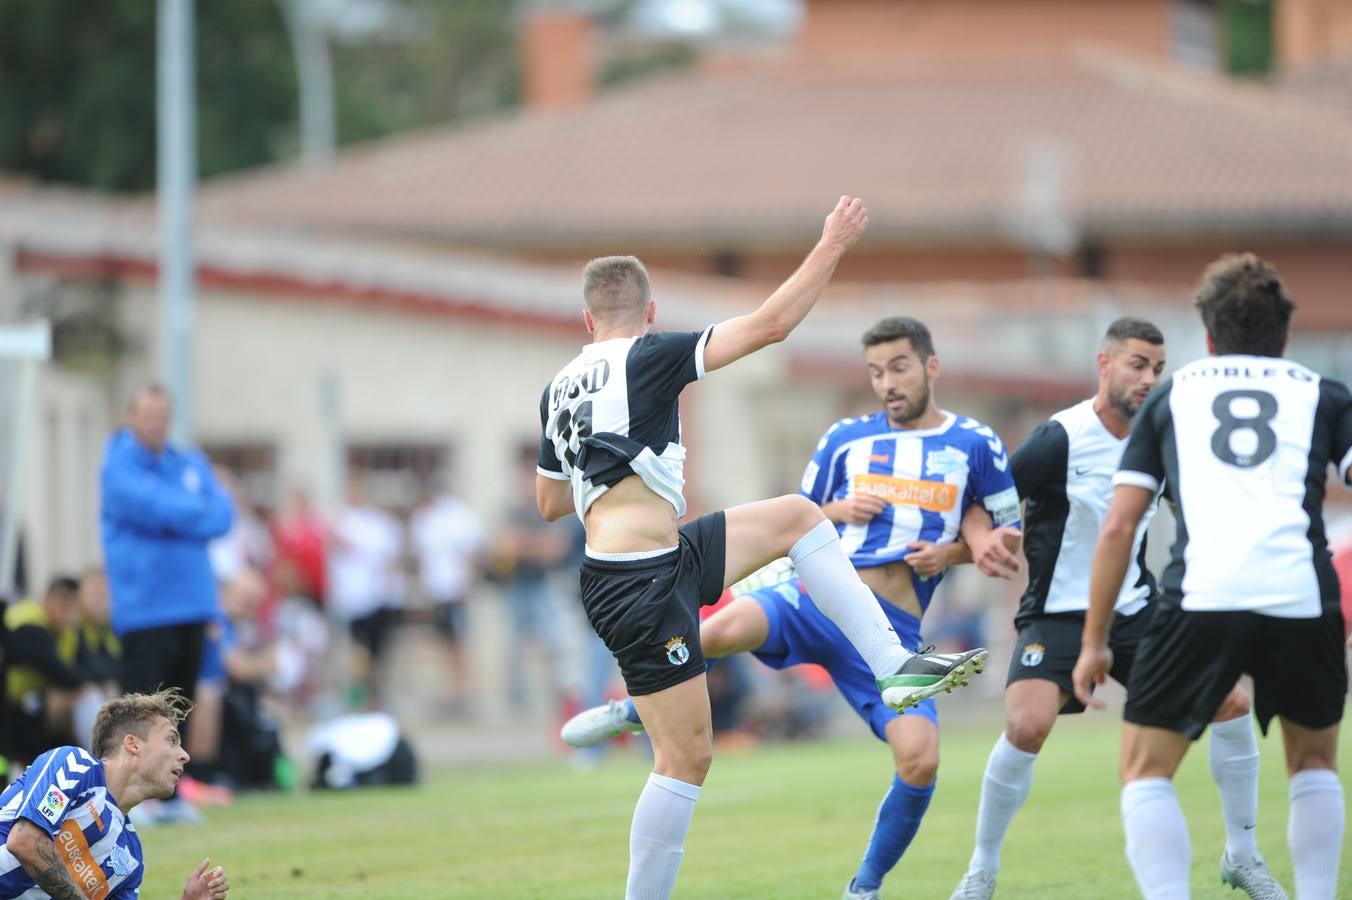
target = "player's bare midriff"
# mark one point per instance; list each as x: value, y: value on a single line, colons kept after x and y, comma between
x: 630, y: 518
x: 893, y: 583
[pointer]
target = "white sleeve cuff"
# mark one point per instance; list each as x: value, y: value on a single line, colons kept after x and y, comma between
x: 699, y: 352
x: 1343, y: 469
x: 1136, y: 479
x: 557, y: 476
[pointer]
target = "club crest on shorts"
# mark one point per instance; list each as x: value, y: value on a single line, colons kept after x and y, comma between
x: 677, y: 652
x: 1032, y: 654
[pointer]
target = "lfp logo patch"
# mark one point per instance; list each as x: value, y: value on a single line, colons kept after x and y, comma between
x: 677, y: 652
x: 53, y: 805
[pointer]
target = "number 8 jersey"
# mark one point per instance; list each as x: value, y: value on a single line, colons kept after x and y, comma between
x: 612, y: 412
x: 1242, y: 445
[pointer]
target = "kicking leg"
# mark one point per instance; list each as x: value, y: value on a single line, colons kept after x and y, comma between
x: 914, y: 740
x: 682, y: 738
x: 758, y: 533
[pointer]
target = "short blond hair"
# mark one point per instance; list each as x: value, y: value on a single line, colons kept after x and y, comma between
x: 134, y: 714
x: 616, y: 287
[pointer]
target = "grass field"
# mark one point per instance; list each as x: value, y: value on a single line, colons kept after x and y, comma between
x: 780, y: 821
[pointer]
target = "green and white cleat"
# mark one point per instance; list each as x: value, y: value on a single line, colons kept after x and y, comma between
x: 927, y: 673
x: 601, y: 723
x: 977, y: 884
x: 1254, y: 879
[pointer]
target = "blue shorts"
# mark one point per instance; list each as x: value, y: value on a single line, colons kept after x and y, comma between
x: 801, y: 633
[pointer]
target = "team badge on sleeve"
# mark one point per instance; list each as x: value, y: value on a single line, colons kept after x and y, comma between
x: 53, y: 805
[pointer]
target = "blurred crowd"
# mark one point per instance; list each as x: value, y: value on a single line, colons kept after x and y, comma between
x: 272, y: 617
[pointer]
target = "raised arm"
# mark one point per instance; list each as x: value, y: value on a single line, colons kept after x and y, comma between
x: 789, y: 305
x: 36, y: 852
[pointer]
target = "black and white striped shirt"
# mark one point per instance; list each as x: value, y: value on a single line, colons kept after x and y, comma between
x: 1242, y: 445
x: 612, y: 412
x: 1064, y: 471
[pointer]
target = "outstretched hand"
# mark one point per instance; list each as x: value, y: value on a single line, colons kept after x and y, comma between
x: 845, y: 223
x: 205, y: 883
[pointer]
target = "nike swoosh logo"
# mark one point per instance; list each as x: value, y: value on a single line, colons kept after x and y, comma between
x: 1248, y: 828
x: 1079, y: 472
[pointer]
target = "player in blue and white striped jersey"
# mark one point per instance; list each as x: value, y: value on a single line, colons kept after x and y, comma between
x: 64, y: 823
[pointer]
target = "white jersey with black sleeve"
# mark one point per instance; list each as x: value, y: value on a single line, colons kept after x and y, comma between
x: 612, y: 412
x: 1064, y: 472
x: 1243, y: 445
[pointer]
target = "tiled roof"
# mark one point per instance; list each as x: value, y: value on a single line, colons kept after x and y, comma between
x: 755, y: 158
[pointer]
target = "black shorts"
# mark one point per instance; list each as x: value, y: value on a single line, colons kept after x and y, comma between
x: 647, y: 610
x: 450, y: 618
x: 155, y: 658
x: 1048, y: 647
x: 373, y: 630
x: 1189, y: 661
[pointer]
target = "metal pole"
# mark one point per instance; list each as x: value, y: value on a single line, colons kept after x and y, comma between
x: 175, y: 177
x: 314, y: 78
x: 27, y: 346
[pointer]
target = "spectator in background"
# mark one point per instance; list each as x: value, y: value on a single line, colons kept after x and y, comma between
x: 298, y: 536
x: 160, y: 506
x: 98, y: 656
x: 42, y: 680
x: 448, y: 542
x: 248, y: 543
x: 525, y: 555
x: 366, y: 547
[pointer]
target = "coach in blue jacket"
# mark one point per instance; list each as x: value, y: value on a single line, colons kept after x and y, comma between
x: 160, y: 507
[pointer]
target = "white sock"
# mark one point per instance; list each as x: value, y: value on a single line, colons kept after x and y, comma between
x: 1009, y: 776
x: 657, y: 836
x: 1157, y: 838
x: 1234, y: 765
x: 1315, y: 832
x: 835, y: 588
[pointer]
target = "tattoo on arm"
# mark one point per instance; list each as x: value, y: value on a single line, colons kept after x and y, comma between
x: 49, y: 871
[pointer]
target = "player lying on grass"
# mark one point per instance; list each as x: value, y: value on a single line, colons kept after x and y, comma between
x: 897, y: 483
x: 64, y: 822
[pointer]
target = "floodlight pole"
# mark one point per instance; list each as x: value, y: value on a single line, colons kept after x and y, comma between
x: 176, y: 172
x: 29, y: 346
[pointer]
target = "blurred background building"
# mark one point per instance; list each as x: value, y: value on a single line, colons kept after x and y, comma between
x: 397, y: 198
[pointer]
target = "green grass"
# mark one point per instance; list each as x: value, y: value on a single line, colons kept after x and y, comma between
x: 781, y: 821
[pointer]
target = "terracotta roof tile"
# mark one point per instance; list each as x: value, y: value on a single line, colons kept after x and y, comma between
x: 754, y: 157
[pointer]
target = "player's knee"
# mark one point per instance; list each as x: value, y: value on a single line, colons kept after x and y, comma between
x: 1299, y: 759
x: 1235, y: 704
x: 919, y: 769
x: 800, y: 515
x: 1028, y: 731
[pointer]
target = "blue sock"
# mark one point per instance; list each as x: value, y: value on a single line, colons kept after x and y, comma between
x: 899, y: 818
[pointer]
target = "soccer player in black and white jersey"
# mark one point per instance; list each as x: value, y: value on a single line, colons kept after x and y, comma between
x: 1241, y: 443
x: 611, y: 452
x: 1063, y: 471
